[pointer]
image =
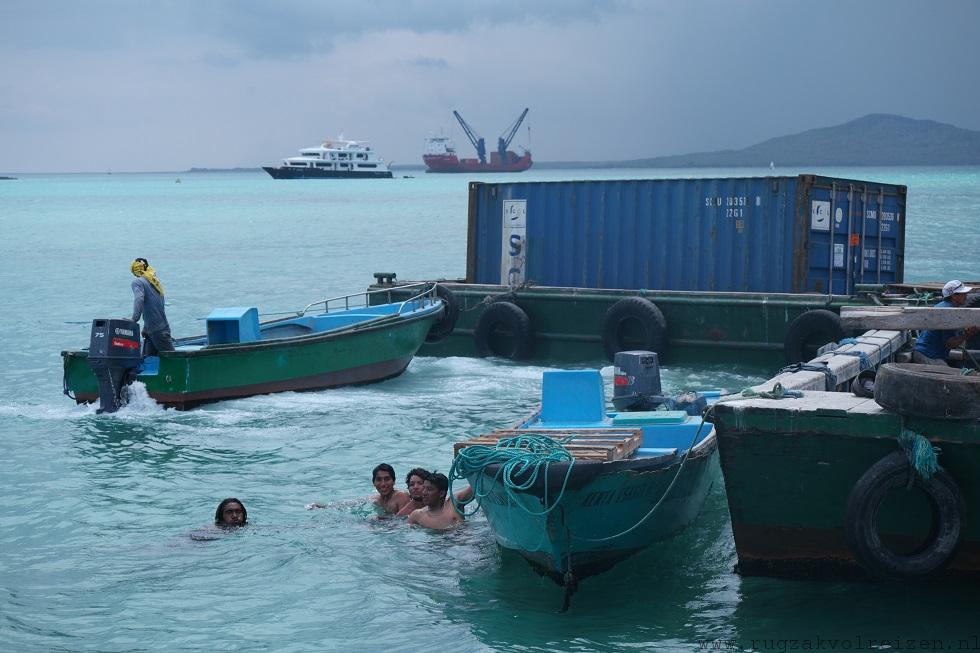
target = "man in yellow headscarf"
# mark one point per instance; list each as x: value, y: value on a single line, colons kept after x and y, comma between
x: 148, y: 303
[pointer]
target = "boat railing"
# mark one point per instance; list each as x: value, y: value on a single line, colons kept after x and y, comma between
x: 425, y: 297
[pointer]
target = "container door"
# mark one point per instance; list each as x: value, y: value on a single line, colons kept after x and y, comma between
x: 856, y: 234
x: 880, y: 258
x: 827, y: 250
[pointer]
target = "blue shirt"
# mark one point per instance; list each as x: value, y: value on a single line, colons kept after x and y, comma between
x: 148, y: 304
x: 933, y: 343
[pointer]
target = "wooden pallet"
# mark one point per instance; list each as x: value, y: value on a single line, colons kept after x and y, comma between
x: 586, y: 444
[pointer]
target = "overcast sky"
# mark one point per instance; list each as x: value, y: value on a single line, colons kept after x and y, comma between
x: 92, y: 85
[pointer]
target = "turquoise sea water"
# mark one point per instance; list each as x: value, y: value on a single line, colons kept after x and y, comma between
x: 97, y: 511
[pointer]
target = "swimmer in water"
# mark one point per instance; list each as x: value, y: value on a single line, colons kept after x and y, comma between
x: 388, y: 499
x: 231, y: 513
x: 414, y: 480
x: 436, y: 514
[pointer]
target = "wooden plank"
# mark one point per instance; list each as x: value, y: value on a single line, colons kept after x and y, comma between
x: 585, y: 444
x: 908, y: 317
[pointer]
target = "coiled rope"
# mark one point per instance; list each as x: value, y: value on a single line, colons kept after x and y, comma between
x: 521, y: 459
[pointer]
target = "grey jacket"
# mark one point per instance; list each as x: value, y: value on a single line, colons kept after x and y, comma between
x: 148, y: 303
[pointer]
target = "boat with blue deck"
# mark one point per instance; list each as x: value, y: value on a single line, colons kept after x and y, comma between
x: 576, y: 488
x: 332, y: 342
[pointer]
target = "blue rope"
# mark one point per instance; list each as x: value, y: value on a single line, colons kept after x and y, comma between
x: 920, y: 452
x: 865, y: 361
x: 525, y: 456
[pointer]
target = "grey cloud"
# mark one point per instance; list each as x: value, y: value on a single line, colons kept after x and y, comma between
x: 262, y: 29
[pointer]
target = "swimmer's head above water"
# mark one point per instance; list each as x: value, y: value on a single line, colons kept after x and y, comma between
x: 230, y: 512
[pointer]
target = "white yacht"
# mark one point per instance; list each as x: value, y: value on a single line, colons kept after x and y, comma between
x: 333, y: 159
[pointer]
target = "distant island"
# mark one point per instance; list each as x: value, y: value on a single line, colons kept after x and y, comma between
x: 877, y: 139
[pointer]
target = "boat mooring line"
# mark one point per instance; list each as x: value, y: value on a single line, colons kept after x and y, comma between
x: 673, y: 481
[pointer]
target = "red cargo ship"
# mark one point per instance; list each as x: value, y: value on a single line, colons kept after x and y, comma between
x: 440, y: 152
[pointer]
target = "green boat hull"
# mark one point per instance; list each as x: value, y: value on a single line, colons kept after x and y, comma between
x: 365, y: 354
x: 790, y: 465
x: 566, y: 323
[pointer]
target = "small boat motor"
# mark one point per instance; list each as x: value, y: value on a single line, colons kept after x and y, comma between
x: 114, y: 356
x: 636, y: 381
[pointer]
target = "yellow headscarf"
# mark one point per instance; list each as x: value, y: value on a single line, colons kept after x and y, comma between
x: 141, y: 269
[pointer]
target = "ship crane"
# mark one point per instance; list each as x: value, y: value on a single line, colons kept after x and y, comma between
x: 476, y: 139
x: 504, y: 142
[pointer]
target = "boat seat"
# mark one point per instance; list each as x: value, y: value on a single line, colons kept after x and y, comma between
x: 572, y: 397
x: 288, y: 330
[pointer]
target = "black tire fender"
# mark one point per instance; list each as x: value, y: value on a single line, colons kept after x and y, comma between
x: 928, y: 391
x: 450, y: 315
x: 634, y: 323
x: 504, y: 330
x: 861, y: 520
x: 810, y: 331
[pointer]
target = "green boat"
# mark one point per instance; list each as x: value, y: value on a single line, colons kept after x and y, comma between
x: 879, y: 481
x: 359, y: 338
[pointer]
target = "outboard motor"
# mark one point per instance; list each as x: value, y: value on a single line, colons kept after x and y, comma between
x: 636, y: 384
x: 113, y: 355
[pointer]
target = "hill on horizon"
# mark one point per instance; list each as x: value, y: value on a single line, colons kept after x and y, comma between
x: 878, y: 139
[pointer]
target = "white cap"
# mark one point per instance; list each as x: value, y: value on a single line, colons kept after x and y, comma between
x: 955, y: 287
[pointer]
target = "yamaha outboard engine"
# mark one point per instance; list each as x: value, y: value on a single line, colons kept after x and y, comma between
x: 113, y: 355
x: 636, y: 385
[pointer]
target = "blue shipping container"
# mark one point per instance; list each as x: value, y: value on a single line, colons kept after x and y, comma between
x: 747, y: 234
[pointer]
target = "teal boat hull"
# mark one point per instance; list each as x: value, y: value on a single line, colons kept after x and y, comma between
x: 604, y: 516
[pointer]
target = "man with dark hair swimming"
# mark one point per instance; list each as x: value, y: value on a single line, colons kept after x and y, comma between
x: 230, y: 513
x: 436, y: 514
x: 415, y: 480
x: 388, y: 499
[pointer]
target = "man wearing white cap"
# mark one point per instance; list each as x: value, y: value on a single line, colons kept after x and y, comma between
x: 932, y: 346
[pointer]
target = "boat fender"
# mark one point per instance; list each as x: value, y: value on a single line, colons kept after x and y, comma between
x: 810, y: 331
x: 861, y: 519
x: 447, y: 322
x: 634, y: 323
x: 504, y: 330
x: 933, y: 391
x: 863, y: 384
